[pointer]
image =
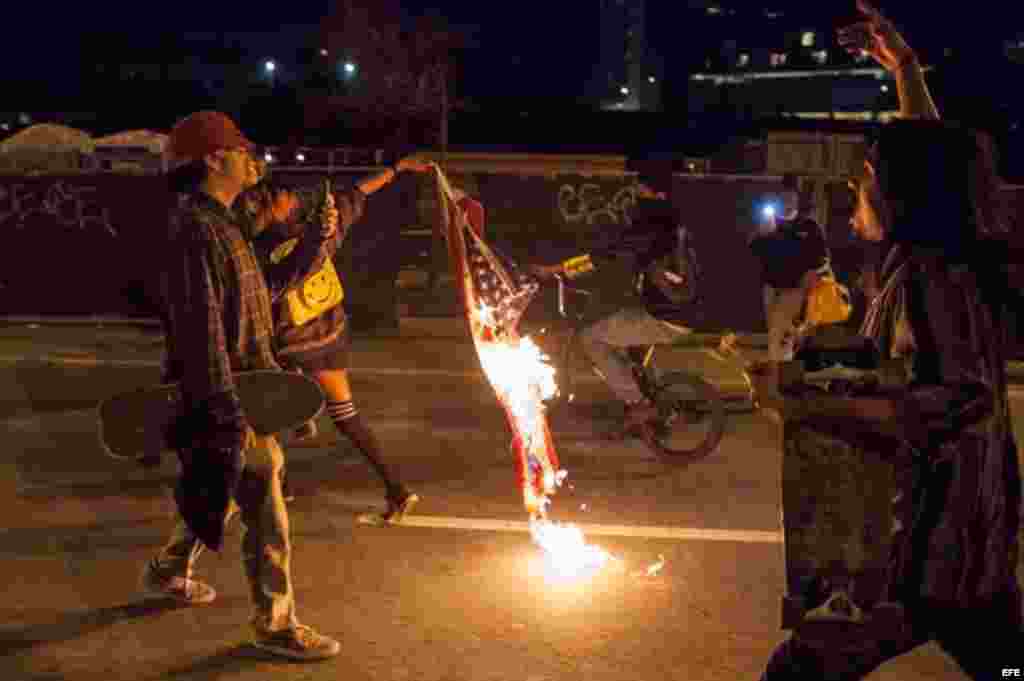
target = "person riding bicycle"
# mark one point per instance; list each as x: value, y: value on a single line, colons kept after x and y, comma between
x: 665, y: 277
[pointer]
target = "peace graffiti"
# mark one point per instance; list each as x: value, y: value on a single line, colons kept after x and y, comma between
x: 588, y: 203
x: 70, y: 205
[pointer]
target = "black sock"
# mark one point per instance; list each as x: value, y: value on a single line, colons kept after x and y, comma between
x: 348, y: 420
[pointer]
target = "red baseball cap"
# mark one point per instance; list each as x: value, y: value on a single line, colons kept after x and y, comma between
x: 202, y: 133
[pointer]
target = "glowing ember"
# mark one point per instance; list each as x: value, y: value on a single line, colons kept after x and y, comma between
x: 567, y: 553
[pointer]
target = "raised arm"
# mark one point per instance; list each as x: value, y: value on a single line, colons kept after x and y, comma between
x: 878, y: 37
x: 382, y: 179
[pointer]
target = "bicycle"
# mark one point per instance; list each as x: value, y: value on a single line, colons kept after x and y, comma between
x: 691, y: 418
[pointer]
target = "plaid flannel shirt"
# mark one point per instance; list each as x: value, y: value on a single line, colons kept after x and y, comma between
x: 216, y: 308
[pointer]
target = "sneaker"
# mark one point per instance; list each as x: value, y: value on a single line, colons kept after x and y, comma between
x: 181, y: 589
x: 400, y: 506
x: 300, y: 643
x: 307, y: 431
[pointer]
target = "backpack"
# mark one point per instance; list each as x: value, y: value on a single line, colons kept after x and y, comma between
x: 676, y: 274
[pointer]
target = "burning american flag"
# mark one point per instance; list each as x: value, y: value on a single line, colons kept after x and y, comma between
x: 495, y: 293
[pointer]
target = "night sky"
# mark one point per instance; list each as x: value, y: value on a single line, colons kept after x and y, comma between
x: 530, y: 41
x: 533, y: 34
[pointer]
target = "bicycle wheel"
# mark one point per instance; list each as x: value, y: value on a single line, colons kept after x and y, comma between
x: 691, y: 419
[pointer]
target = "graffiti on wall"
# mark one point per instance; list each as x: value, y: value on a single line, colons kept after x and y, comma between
x: 589, y: 203
x: 73, y: 206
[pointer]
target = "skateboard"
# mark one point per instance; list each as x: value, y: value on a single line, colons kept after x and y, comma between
x: 840, y: 511
x: 134, y: 425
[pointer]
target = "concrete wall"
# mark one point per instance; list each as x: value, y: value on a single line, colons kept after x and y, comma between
x: 86, y: 244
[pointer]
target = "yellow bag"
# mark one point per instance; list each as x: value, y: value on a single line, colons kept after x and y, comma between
x: 314, y: 296
x: 828, y: 302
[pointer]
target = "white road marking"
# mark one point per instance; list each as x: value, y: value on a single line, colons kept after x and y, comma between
x: 590, y: 529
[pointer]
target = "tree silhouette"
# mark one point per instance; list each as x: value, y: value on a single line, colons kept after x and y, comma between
x: 401, y: 76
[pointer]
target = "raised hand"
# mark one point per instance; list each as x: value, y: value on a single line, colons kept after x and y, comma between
x: 876, y: 36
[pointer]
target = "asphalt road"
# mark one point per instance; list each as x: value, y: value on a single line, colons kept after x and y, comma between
x: 411, y: 602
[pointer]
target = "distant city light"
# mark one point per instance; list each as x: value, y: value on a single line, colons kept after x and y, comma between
x: 269, y: 66
x: 768, y: 211
x: 268, y: 157
x: 807, y: 39
x: 350, y: 68
x: 5, y: 126
x: 323, y: 51
x: 885, y: 88
x: 300, y: 157
x: 652, y: 80
x: 624, y: 90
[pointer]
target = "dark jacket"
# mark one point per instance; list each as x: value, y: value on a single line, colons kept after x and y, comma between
x: 789, y: 252
x: 652, y: 233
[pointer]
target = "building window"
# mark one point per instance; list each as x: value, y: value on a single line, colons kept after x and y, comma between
x: 807, y: 39
x: 778, y: 59
x: 743, y: 59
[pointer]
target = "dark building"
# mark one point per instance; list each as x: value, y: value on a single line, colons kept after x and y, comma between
x: 628, y: 74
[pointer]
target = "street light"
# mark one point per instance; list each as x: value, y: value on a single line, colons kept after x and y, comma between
x: 624, y: 90
x: 652, y: 80
x: 350, y: 68
x: 269, y: 66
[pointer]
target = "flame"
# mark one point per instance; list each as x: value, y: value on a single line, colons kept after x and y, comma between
x: 567, y: 553
x: 523, y: 379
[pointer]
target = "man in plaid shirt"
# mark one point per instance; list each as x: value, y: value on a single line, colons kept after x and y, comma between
x: 217, y: 321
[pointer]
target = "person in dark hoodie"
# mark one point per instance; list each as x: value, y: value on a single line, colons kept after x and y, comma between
x: 318, y: 345
x: 666, y: 277
x: 216, y: 312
